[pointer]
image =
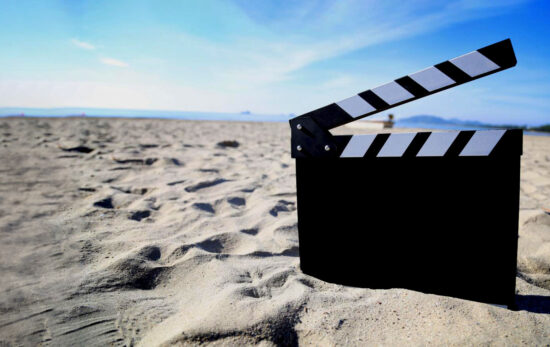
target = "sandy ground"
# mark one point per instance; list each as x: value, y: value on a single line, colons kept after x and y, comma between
x: 159, y: 236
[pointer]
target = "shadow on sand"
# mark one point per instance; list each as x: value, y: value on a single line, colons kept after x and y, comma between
x: 533, y: 303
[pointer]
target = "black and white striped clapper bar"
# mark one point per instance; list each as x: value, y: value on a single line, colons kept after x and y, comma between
x: 435, y: 212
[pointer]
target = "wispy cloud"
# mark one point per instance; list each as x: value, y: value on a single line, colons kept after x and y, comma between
x: 289, y: 46
x: 269, y: 56
x: 113, y: 62
x: 84, y: 45
x: 339, y: 28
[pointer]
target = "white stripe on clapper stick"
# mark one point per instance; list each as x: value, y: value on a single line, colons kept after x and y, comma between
x: 474, y: 63
x: 396, y: 145
x: 482, y: 143
x: 432, y: 79
x: 437, y: 144
x: 355, y: 106
x: 392, y: 93
x: 357, y: 146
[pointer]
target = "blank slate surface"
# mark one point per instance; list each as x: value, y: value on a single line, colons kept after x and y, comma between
x: 445, y: 224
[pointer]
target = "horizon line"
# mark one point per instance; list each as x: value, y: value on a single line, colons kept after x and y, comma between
x: 245, y: 115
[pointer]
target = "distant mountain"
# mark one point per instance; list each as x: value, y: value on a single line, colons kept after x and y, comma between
x: 425, y: 119
x: 442, y: 121
x: 468, y: 122
x: 435, y: 122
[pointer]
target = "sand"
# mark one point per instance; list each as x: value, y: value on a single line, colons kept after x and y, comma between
x: 146, y: 232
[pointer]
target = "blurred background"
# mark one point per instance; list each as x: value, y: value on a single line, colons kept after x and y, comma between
x: 264, y: 60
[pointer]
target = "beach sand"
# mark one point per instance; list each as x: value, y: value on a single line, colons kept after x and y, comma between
x: 147, y: 232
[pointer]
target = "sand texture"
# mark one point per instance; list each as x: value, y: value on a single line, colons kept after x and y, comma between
x: 147, y: 232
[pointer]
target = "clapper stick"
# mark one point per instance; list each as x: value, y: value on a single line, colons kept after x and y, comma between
x: 435, y: 212
x: 310, y: 136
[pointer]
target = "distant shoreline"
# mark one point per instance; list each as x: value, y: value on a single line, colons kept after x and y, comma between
x: 398, y: 123
x: 442, y: 123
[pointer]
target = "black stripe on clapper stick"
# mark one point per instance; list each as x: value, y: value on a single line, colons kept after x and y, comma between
x: 412, y: 87
x: 459, y: 143
x: 376, y: 145
x: 374, y: 100
x: 415, y: 145
x: 453, y: 72
x: 329, y: 116
x: 500, y: 53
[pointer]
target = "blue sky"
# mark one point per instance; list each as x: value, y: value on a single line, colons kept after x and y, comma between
x: 267, y: 56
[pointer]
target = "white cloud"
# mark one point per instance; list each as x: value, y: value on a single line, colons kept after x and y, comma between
x: 113, y: 62
x: 84, y: 45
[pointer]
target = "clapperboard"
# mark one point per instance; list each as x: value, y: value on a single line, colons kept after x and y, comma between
x: 435, y: 212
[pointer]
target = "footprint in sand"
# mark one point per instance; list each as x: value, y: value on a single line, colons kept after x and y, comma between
x: 282, y: 206
x: 204, y: 184
x: 203, y: 206
x: 237, y: 201
x: 267, y: 284
x: 150, y: 252
x: 209, y: 170
x: 104, y: 203
x: 252, y: 231
x: 130, y: 190
x: 219, y: 244
x: 139, y: 215
x: 147, y: 161
x: 79, y: 149
x: 175, y: 182
x: 136, y: 271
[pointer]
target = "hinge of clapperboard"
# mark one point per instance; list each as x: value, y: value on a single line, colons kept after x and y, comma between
x: 310, y: 135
